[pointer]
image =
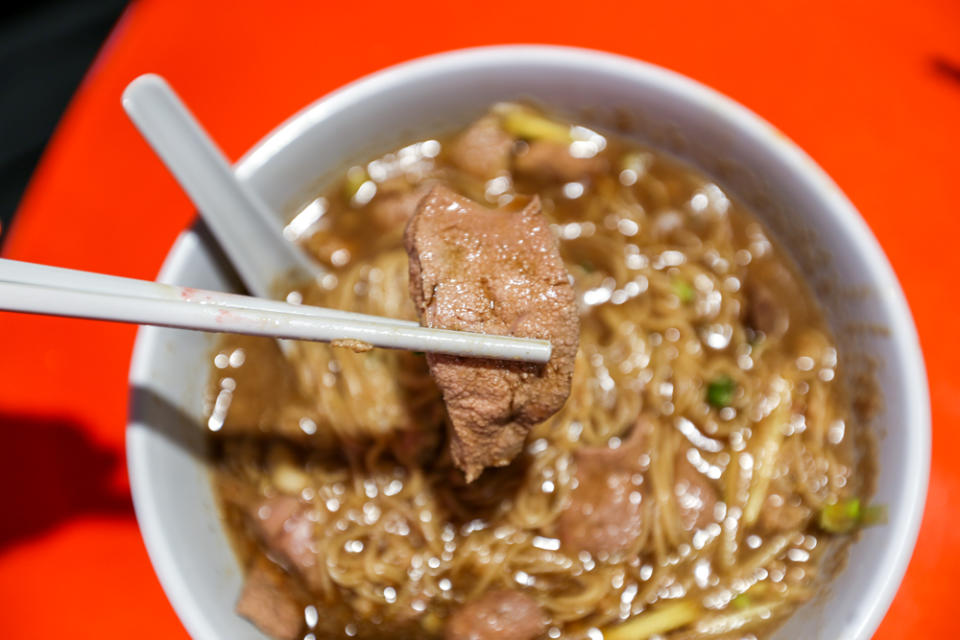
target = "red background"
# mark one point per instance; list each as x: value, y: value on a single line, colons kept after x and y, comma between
x: 868, y: 90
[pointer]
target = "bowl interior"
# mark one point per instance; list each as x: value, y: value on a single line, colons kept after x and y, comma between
x: 804, y: 209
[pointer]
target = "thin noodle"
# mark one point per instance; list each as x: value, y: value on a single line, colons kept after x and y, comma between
x: 400, y: 530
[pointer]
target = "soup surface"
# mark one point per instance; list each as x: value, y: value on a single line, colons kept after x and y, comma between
x: 693, y: 484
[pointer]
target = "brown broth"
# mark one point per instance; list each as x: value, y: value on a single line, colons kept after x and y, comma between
x: 671, y: 273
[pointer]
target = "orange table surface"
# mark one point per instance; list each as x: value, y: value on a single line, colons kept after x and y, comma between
x: 871, y: 91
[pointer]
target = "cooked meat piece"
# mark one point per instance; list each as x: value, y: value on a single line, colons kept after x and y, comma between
x: 605, y: 514
x: 497, y: 272
x: 696, y: 496
x: 483, y: 149
x: 551, y: 161
x: 392, y: 210
x: 282, y: 526
x: 267, y: 601
x: 764, y: 313
x: 483, y: 498
x: 497, y: 615
x: 771, y: 291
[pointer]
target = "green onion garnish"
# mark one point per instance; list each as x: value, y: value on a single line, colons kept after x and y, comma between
x: 683, y: 290
x: 850, y: 514
x: 720, y: 391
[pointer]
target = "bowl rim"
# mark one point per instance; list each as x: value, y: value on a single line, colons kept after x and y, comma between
x: 904, y: 339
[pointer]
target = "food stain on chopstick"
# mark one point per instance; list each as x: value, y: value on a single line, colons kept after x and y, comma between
x: 357, y: 346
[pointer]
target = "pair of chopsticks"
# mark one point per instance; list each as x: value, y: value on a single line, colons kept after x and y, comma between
x: 42, y: 289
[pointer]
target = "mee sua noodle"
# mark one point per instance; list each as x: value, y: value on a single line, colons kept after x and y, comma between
x: 704, y: 465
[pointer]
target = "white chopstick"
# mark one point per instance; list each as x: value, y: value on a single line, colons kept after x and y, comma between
x: 47, y: 276
x: 144, y: 302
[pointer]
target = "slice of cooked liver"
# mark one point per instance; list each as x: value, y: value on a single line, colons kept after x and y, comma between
x: 286, y: 533
x: 606, y: 509
x: 483, y: 149
x: 267, y: 601
x: 498, y: 272
x: 498, y: 615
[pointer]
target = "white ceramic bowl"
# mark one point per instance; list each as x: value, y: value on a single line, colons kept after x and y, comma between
x: 803, y: 207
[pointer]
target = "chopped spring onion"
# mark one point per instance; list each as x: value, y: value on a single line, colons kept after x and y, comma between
x: 874, y: 514
x: 666, y: 617
x: 720, y: 391
x: 356, y: 176
x: 530, y: 126
x: 684, y: 291
x: 847, y: 515
x: 745, y: 600
x: 636, y: 161
x: 841, y: 517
